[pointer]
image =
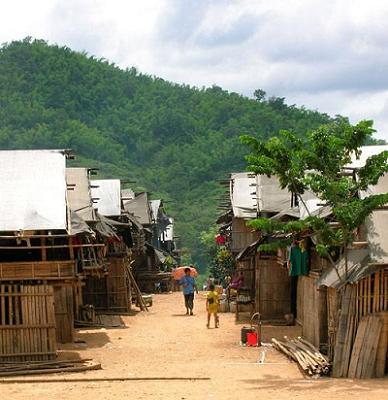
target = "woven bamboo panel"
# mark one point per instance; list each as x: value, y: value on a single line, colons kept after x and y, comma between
x: 372, y: 294
x: 27, y: 323
x: 52, y: 270
x: 110, y: 292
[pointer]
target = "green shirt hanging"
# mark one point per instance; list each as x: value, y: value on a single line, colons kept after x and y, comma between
x: 298, y: 261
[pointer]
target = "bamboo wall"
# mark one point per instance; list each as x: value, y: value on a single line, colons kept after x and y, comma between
x: 272, y: 289
x: 27, y: 329
x: 372, y: 294
x: 64, y: 312
x: 312, y: 310
x: 110, y: 292
x: 119, y: 295
x: 242, y: 236
x: 52, y: 270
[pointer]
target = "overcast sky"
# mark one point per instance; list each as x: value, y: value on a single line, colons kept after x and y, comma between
x: 329, y: 55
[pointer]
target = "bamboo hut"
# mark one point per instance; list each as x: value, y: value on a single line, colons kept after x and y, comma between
x: 109, y: 288
x: 150, y: 262
x: 37, y: 267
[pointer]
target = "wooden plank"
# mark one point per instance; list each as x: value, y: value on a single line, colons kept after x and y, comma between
x: 51, y: 318
x: 361, y: 302
x: 39, y: 319
x: 44, y: 248
x: 381, y: 301
x: 376, y: 292
x: 350, y: 334
x: 59, y: 246
x: 32, y: 320
x: 385, y: 292
x: 35, y: 313
x: 357, y: 302
x: 369, y: 366
x: 17, y: 333
x: 341, y: 333
x: 3, y: 334
x: 381, y: 357
x: 345, y: 334
x: 10, y: 320
x: 11, y: 355
x: 27, y: 320
x: 37, y: 270
x: 369, y: 279
x: 357, y: 348
x: 3, y: 305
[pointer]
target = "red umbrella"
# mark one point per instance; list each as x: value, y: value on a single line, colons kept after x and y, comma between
x: 179, y: 273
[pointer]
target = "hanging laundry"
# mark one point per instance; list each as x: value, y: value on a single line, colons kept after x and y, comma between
x: 299, y: 259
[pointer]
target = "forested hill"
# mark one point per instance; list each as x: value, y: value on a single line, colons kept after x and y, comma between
x: 174, y: 140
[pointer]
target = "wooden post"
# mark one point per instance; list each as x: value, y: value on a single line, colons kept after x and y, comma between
x: 43, y: 250
x: 71, y: 248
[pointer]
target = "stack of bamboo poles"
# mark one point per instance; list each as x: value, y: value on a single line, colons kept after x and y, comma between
x: 14, y: 368
x: 310, y: 360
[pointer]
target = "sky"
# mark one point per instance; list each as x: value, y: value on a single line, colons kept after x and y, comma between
x: 328, y: 55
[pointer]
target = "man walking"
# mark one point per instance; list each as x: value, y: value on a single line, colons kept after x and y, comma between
x: 189, y: 285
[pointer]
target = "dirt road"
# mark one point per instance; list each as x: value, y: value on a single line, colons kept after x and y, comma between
x: 165, y: 343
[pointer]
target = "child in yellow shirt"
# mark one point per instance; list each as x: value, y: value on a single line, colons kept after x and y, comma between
x: 212, y: 306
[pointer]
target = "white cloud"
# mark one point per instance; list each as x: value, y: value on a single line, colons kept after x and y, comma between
x: 330, y: 55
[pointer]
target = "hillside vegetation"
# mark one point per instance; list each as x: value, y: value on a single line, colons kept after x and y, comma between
x: 174, y: 140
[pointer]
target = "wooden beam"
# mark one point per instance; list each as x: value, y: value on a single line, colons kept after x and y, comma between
x: 65, y: 246
x: 21, y: 236
x: 43, y: 245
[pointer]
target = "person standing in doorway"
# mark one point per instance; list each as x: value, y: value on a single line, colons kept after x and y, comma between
x: 189, y: 285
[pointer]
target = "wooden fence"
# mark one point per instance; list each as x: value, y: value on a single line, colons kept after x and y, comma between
x: 27, y: 323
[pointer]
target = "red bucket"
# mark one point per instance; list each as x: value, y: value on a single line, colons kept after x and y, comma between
x: 252, y: 339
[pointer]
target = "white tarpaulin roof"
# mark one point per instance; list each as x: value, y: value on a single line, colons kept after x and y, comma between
x: 168, y: 233
x: 271, y: 197
x: 140, y: 208
x: 366, y: 152
x: 127, y: 194
x: 108, y: 196
x: 154, y: 206
x: 251, y: 194
x: 310, y: 206
x: 32, y: 190
x: 244, y: 203
x: 79, y: 194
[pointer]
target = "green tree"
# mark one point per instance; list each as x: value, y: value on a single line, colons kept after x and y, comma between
x: 222, y: 265
x: 317, y: 164
x: 259, y: 94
